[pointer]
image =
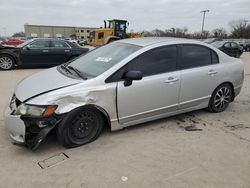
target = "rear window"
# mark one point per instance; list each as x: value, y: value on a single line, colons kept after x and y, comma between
x: 194, y: 56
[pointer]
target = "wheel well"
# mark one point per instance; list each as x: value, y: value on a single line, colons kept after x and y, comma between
x: 102, y: 112
x: 15, y: 60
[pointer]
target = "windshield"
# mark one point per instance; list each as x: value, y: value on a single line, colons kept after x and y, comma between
x: 101, y: 59
x: 218, y: 44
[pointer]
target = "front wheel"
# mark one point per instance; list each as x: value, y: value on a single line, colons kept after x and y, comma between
x: 220, y: 98
x: 80, y: 127
x: 6, y: 62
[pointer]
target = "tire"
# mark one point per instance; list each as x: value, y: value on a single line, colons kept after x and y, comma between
x: 220, y: 98
x: 79, y: 127
x: 7, y: 62
x: 112, y: 40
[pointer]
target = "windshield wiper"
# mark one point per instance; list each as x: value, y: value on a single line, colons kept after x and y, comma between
x: 65, y: 68
x: 79, y: 73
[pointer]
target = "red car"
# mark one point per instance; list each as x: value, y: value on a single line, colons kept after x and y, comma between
x: 13, y: 42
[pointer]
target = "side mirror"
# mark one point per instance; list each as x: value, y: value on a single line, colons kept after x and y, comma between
x: 130, y: 76
x: 27, y: 47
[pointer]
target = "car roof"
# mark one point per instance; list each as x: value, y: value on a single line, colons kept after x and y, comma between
x: 146, y: 41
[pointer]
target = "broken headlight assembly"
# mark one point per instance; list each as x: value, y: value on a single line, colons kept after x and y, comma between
x: 37, y: 111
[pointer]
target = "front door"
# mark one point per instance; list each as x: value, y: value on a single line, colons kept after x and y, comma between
x: 36, y: 53
x: 157, y: 93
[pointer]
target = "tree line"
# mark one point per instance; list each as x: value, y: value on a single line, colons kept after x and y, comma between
x: 239, y: 29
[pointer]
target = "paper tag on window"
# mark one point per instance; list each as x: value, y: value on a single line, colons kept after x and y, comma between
x: 104, y: 59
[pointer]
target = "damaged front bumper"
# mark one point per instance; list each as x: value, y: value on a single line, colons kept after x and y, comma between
x: 29, y: 131
x: 15, y: 126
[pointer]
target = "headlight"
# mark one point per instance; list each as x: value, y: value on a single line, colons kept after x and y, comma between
x: 31, y: 110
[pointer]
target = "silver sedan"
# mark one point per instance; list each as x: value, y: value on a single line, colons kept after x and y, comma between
x: 122, y: 84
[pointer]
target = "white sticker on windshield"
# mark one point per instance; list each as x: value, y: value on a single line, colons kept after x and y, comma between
x: 104, y: 59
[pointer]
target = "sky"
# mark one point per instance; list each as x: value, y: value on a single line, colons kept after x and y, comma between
x: 141, y: 14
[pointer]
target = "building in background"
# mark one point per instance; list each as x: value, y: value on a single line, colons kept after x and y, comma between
x: 45, y: 31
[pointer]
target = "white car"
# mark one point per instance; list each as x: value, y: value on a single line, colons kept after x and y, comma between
x: 72, y: 40
x: 123, y: 83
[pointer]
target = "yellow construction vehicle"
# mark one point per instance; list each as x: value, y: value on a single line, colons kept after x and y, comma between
x: 116, y: 30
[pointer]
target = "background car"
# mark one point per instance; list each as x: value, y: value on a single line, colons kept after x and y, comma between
x: 246, y: 45
x: 13, y: 42
x: 230, y: 48
x: 72, y: 40
x: 39, y: 53
x: 211, y: 40
x: 2, y: 39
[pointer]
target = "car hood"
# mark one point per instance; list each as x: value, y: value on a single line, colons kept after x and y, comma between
x: 43, y: 82
x: 8, y: 47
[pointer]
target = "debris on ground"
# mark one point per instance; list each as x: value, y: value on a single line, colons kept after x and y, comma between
x: 124, y: 178
x: 191, y: 128
x: 237, y: 126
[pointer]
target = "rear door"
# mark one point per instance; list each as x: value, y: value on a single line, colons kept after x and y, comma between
x: 36, y: 53
x: 235, y: 49
x: 227, y: 48
x: 59, y: 52
x: 199, y: 75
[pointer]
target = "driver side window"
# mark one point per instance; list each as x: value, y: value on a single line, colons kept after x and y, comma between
x: 40, y: 44
x: 227, y: 45
x: 157, y: 61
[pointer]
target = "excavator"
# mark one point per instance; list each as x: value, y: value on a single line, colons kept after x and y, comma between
x: 115, y: 30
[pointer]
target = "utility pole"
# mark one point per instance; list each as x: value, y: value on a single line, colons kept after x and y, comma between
x: 203, y: 20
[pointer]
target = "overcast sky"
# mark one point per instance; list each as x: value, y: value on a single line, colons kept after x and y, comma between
x: 142, y: 14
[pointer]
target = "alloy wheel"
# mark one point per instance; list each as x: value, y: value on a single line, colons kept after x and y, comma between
x: 6, y: 63
x: 222, y: 98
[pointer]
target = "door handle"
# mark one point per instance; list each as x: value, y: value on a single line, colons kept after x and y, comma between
x: 45, y: 51
x: 212, y: 72
x: 171, y: 80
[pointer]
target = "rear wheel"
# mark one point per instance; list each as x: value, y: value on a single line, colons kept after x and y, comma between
x: 6, y: 62
x: 220, y: 98
x: 112, y: 40
x: 80, y: 127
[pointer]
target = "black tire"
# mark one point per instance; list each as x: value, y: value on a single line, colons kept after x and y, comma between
x: 220, y: 98
x: 7, y: 62
x: 79, y: 127
x: 112, y: 40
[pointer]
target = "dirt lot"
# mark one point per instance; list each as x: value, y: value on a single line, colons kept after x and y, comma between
x: 162, y: 153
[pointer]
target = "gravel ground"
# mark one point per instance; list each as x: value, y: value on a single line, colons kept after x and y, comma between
x: 163, y: 153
